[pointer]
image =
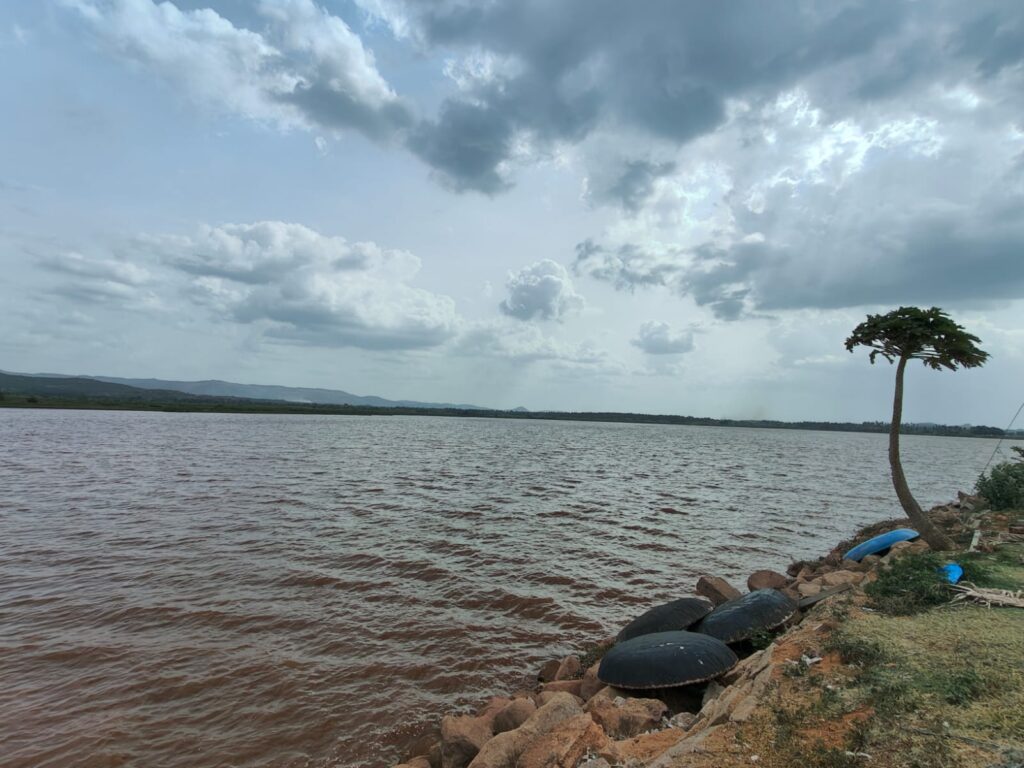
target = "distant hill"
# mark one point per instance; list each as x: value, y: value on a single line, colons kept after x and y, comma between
x: 80, y: 386
x: 216, y: 388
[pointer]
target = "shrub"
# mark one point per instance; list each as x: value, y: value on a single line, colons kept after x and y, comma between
x: 1004, y: 487
x: 911, y: 584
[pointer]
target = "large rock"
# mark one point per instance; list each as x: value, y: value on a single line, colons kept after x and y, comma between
x: 461, y: 739
x: 838, y: 578
x: 565, y: 745
x: 569, y: 668
x: 716, y: 589
x: 677, y: 755
x: 548, y: 671
x: 513, y: 715
x: 640, y: 750
x: 591, y: 684
x: 488, y: 712
x: 808, y: 589
x: 625, y: 718
x: 766, y: 579
x: 422, y: 748
x: 568, y: 686
x: 416, y: 762
x: 919, y: 547
x: 505, y: 749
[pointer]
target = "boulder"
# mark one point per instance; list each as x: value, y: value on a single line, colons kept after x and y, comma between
x: 570, y: 686
x: 421, y: 748
x: 899, y: 549
x: 640, y: 750
x: 544, y: 697
x: 416, y: 762
x: 808, y: 589
x: 569, y: 668
x: 918, y: 547
x: 716, y: 589
x: 591, y: 684
x: 674, y: 755
x: 462, y: 738
x: 766, y: 579
x: 505, y: 749
x: 838, y: 578
x: 683, y: 720
x: 514, y: 714
x: 871, y: 560
x: 492, y: 708
x: 548, y: 671
x: 624, y: 718
x: 565, y: 745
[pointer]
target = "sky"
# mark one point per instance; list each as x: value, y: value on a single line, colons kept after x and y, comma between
x: 667, y: 206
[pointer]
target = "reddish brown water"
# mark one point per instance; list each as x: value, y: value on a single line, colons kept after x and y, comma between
x: 219, y: 590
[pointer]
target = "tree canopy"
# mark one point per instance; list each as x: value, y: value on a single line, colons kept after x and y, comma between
x: 929, y: 335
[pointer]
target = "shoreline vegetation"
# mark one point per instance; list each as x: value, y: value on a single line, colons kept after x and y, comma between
x: 885, y: 664
x: 176, y: 402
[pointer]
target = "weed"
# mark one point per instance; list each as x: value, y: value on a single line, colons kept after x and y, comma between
x: 960, y: 686
x: 890, y: 691
x: 856, y: 650
x: 594, y: 654
x: 911, y: 584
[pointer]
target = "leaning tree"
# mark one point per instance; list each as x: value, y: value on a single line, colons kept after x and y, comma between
x: 931, y: 336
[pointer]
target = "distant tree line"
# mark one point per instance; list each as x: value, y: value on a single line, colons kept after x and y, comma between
x: 201, y: 404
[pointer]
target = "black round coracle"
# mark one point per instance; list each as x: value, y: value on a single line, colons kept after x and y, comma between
x: 665, y: 660
x: 744, y: 617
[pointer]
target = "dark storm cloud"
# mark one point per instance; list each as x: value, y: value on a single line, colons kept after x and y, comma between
x: 324, y: 104
x: 666, y: 68
x: 629, y: 185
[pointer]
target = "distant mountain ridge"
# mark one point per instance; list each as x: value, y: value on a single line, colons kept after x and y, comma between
x: 217, y: 388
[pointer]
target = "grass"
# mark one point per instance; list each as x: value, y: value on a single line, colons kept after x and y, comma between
x: 933, y: 687
x: 913, y: 583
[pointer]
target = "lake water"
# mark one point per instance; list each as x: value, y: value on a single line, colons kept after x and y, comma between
x: 275, y: 590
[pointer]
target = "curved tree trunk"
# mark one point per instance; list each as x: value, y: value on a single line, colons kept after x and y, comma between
x: 936, y: 539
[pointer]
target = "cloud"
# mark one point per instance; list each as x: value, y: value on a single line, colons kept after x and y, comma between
x: 793, y: 211
x: 523, y: 344
x: 543, y: 290
x: 289, y: 282
x: 671, y: 72
x: 656, y: 338
x: 309, y: 288
x: 628, y: 184
x: 91, y: 279
x: 306, y: 68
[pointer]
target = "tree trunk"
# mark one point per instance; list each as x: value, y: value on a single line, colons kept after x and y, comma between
x: 936, y: 539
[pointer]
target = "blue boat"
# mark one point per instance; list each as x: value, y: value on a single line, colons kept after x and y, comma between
x: 880, y: 544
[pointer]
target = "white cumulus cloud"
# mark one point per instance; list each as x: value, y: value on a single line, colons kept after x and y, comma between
x: 543, y: 290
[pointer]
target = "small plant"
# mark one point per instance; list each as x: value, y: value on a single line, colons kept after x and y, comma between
x: 856, y: 650
x: 891, y: 691
x: 761, y: 639
x: 960, y: 686
x: 911, y: 584
x: 1004, y: 486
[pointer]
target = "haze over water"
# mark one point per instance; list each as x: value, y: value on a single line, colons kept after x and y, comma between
x: 215, y: 590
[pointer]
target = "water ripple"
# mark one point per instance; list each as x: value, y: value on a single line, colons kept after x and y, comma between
x: 223, y: 590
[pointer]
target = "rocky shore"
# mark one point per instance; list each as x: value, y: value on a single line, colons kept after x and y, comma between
x: 569, y: 719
